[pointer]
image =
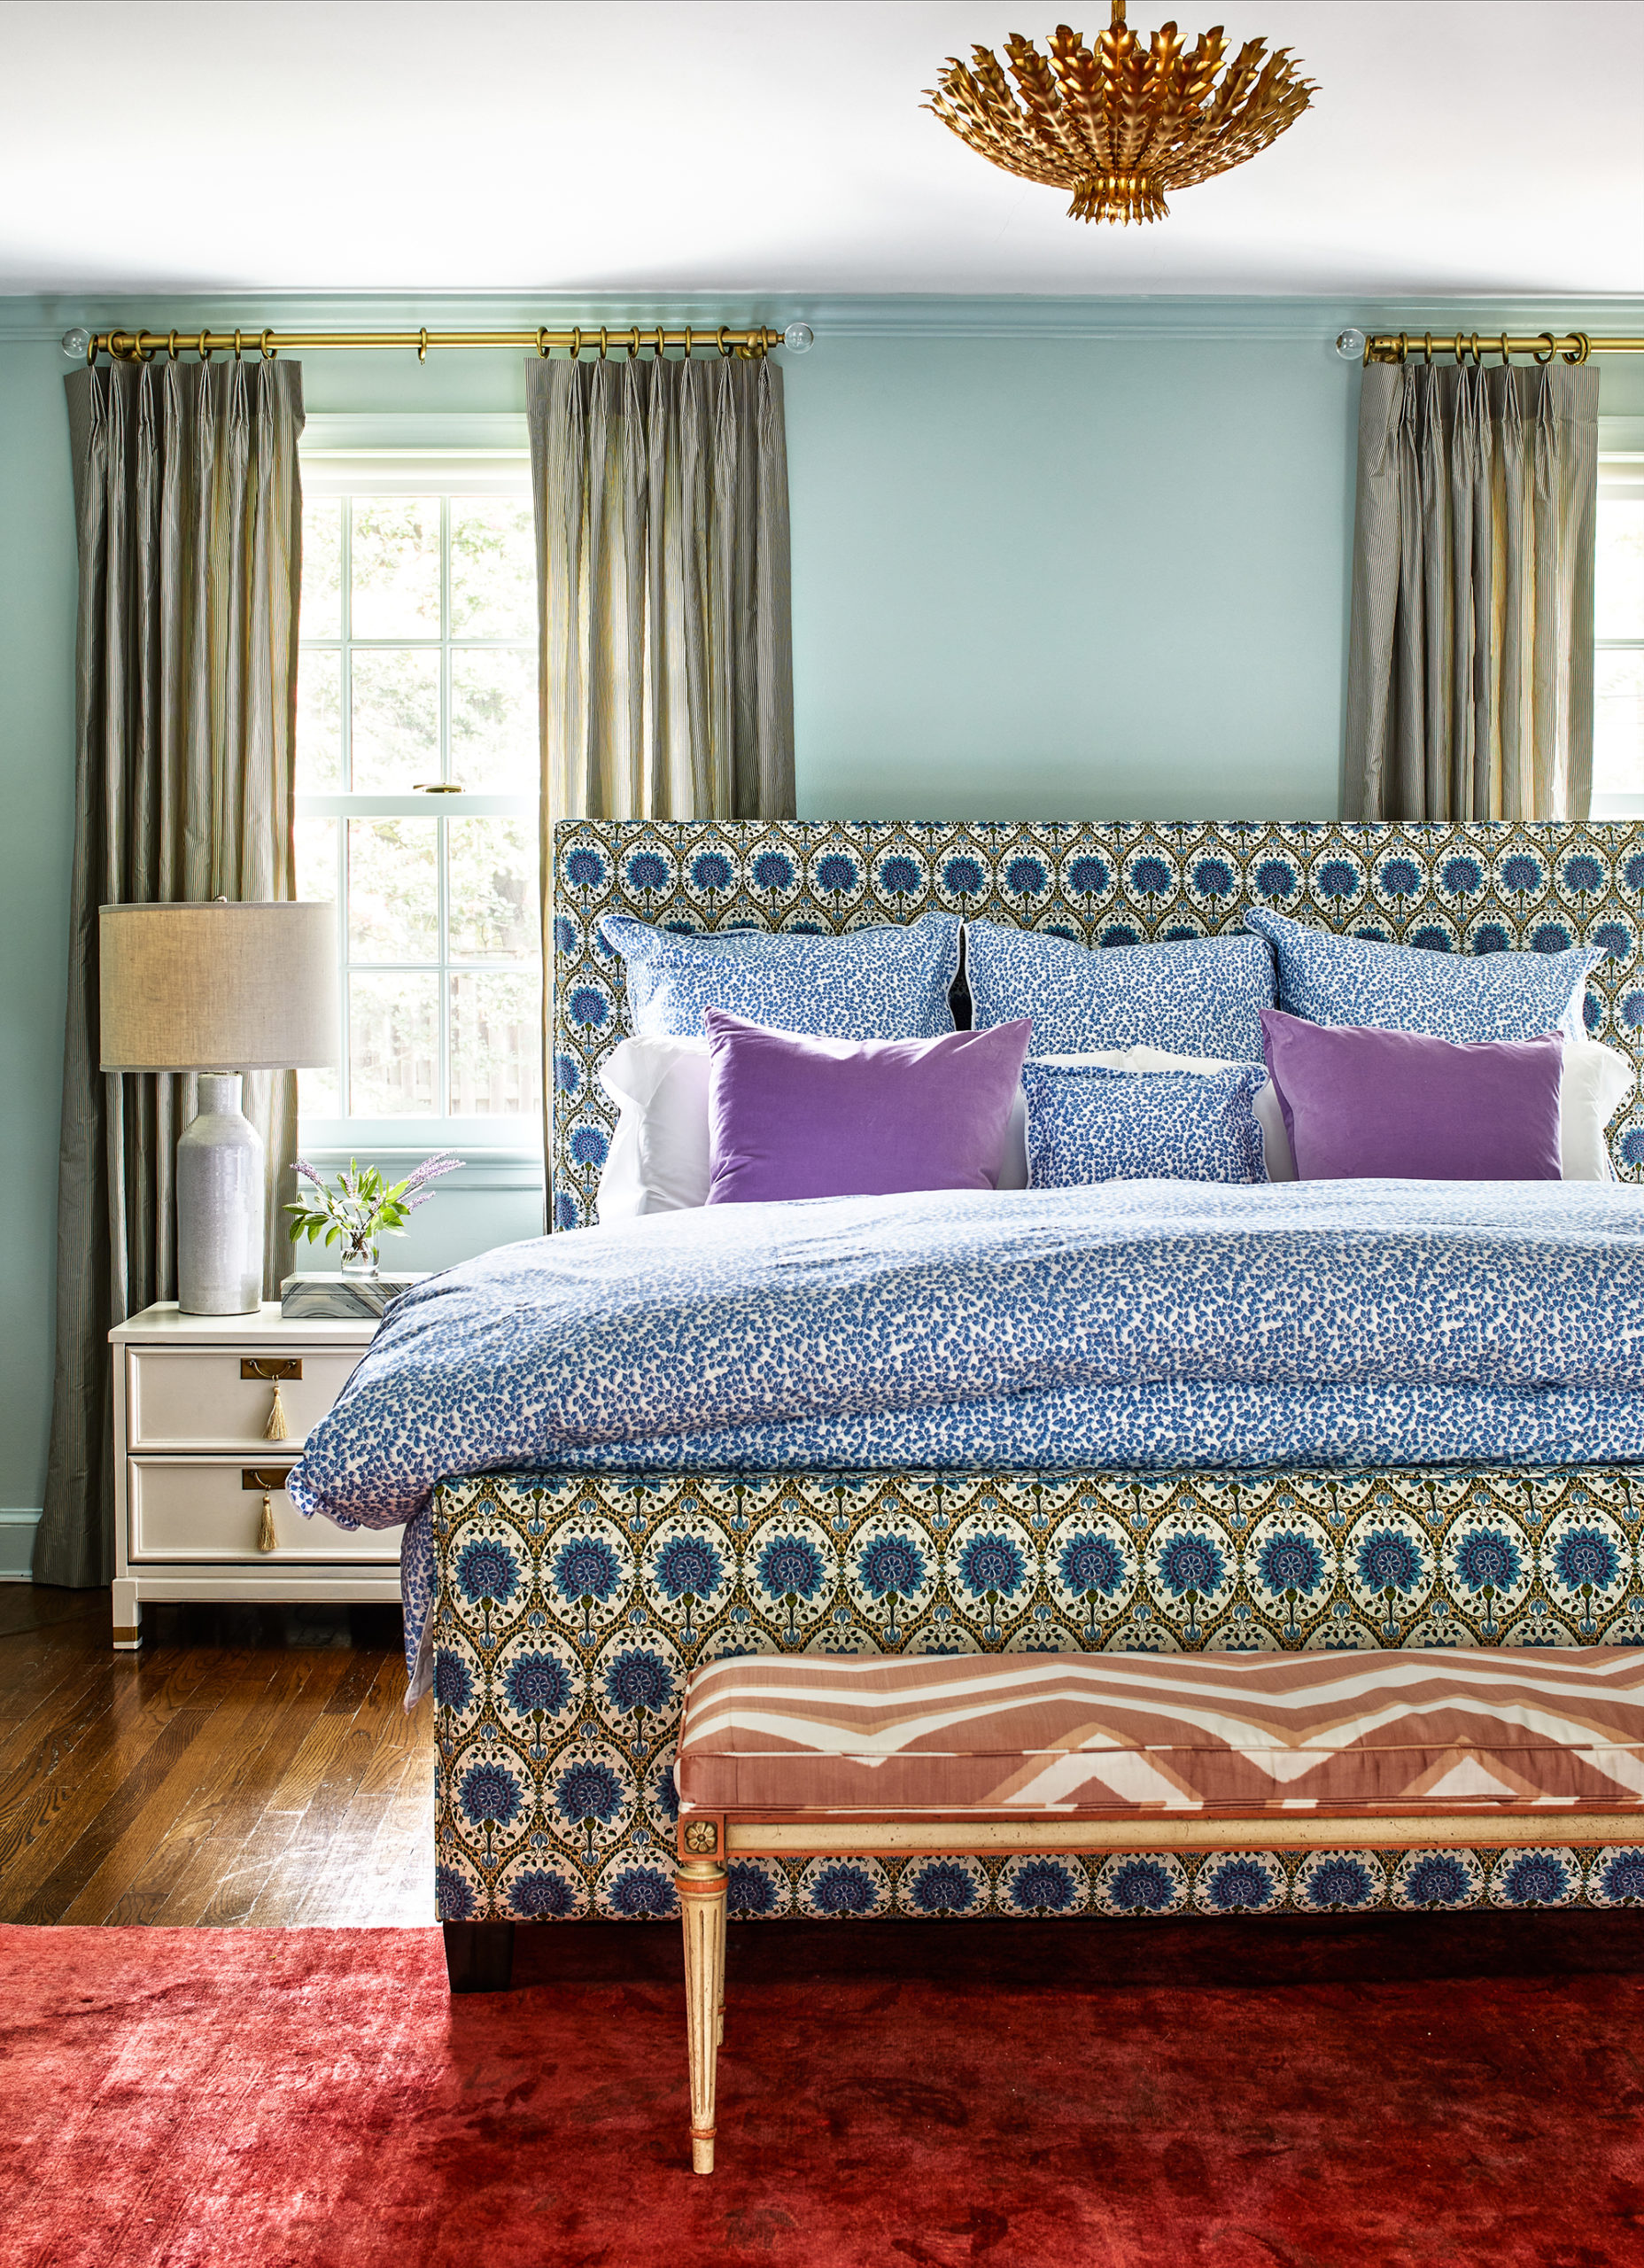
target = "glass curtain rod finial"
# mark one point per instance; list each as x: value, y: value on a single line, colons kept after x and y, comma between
x: 799, y: 338
x: 76, y: 345
x: 1350, y: 345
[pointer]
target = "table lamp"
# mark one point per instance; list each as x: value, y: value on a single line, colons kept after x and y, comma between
x: 218, y: 990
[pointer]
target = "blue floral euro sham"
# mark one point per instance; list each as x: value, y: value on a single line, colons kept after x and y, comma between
x: 1087, y: 1122
x: 1144, y: 1324
x: 882, y: 983
x: 1198, y: 996
x: 1331, y: 980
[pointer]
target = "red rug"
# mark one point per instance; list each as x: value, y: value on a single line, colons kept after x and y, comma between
x: 1453, y: 2091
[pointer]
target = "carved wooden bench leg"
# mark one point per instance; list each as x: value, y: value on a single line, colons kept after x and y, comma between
x: 702, y: 1886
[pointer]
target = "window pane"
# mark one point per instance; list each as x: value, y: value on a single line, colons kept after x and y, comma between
x: 491, y: 888
x: 316, y: 858
x: 1618, y: 590
x: 496, y: 1045
x: 319, y: 720
x: 393, y: 1045
x: 394, y: 719
x: 494, y: 719
x: 396, y: 567
x: 321, y: 605
x: 393, y: 905
x: 1618, y: 723
x: 493, y: 568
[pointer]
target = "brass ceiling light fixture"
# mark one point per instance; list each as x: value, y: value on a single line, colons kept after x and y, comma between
x: 1122, y: 123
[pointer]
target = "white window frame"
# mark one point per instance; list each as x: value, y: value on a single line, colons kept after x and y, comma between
x: 394, y: 454
x: 1620, y: 466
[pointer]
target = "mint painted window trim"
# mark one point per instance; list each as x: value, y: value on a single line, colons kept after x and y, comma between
x: 416, y: 452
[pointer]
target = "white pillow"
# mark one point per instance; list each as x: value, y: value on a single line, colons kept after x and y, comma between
x: 1597, y: 1081
x: 658, y: 1159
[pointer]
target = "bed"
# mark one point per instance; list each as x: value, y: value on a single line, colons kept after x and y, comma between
x: 563, y: 1595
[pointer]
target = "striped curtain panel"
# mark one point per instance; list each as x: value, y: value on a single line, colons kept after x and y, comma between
x: 1470, y: 682
x: 190, y: 512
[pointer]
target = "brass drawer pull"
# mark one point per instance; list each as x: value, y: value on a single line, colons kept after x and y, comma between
x: 263, y: 1477
x: 269, y: 1367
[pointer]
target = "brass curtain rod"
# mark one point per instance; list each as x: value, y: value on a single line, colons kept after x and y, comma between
x: 1400, y: 346
x: 628, y: 339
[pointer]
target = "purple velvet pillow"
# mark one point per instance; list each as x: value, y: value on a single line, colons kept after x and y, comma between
x: 1365, y: 1104
x: 799, y: 1117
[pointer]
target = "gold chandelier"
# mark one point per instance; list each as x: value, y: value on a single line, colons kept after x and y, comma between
x: 1120, y: 125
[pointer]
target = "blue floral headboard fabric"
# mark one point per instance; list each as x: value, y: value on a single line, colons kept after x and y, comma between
x: 1486, y: 887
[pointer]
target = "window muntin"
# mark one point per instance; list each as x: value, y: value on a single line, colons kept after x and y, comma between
x: 417, y: 797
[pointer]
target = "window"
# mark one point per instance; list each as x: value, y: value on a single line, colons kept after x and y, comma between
x: 1619, y: 631
x: 417, y: 778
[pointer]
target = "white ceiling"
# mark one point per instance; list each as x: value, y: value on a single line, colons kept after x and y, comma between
x: 778, y: 146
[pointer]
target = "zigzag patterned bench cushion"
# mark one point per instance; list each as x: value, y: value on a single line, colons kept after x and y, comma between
x: 1388, y: 1734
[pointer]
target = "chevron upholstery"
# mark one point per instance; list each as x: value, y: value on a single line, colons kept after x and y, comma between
x: 1329, y: 1735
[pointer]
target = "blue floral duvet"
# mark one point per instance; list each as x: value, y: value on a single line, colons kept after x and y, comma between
x: 1133, y: 1325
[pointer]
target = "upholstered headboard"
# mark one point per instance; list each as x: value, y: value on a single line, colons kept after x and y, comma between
x: 1461, y: 889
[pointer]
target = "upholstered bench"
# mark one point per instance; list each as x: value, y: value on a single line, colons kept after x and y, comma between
x: 813, y: 1755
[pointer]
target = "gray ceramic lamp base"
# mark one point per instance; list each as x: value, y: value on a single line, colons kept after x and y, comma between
x: 220, y: 1204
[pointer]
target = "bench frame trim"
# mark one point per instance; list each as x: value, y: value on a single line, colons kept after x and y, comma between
x: 707, y: 1840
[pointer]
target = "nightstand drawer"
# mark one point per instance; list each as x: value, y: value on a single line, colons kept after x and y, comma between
x: 198, y: 1397
x: 200, y: 1508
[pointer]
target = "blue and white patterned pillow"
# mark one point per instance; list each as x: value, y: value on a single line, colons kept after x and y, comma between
x: 1331, y: 980
x: 885, y: 983
x: 1199, y: 996
x: 1086, y: 1123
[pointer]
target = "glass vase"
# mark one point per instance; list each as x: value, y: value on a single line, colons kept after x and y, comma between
x: 360, y: 1259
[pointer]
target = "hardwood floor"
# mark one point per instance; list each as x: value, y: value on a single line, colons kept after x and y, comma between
x: 250, y: 1766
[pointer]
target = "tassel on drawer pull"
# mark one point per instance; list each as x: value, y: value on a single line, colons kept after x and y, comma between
x: 267, y: 1481
x: 273, y: 1369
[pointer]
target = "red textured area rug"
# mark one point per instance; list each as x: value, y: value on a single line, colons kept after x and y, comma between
x: 1463, y: 2089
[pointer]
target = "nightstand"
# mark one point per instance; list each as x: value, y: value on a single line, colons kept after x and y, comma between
x: 201, y: 1509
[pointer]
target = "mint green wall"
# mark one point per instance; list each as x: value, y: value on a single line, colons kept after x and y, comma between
x: 1074, y: 558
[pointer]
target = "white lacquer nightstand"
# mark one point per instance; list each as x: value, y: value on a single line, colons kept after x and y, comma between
x: 201, y: 1509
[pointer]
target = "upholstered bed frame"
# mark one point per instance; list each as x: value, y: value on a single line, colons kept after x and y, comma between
x: 558, y: 1707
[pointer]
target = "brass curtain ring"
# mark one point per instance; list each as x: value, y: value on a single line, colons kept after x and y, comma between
x: 542, y: 342
x: 236, y: 344
x: 1584, y: 347
x: 91, y: 350
x: 1456, y: 350
x: 204, y: 349
x: 268, y: 350
x: 687, y: 342
x: 604, y: 342
x: 576, y: 342
x: 1550, y: 342
x: 1477, y: 359
x: 1506, y: 352
x: 421, y: 343
x: 633, y: 342
x: 1427, y: 348
x: 724, y: 349
x: 171, y: 344
x: 1400, y: 350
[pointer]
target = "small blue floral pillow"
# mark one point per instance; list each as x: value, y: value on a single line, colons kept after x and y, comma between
x: 1198, y: 996
x: 889, y: 982
x: 1086, y: 1123
x: 1331, y: 980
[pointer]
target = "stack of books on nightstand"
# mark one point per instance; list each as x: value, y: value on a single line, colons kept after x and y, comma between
x: 309, y: 1297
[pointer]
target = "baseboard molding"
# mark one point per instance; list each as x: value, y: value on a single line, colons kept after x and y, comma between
x: 18, y: 1523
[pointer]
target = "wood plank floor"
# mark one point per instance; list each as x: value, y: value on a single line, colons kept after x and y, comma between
x: 250, y: 1766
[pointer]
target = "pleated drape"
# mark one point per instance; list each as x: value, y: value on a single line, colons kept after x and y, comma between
x: 1469, y: 683
x: 189, y: 513
x: 662, y: 553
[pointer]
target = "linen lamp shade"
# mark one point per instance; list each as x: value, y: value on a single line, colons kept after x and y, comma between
x: 218, y: 987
